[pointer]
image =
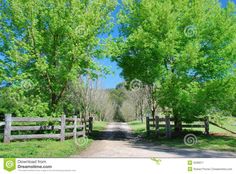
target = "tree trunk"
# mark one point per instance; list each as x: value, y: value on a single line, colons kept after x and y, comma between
x: 141, y: 114
x: 53, y: 102
x: 136, y: 113
x: 141, y: 110
x: 178, y: 124
x: 100, y: 117
x: 153, y: 114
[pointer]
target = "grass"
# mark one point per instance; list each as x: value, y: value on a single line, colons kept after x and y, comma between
x: 40, y: 148
x: 47, y: 148
x: 99, y: 125
x: 224, y: 142
x: 98, y: 128
x: 229, y: 123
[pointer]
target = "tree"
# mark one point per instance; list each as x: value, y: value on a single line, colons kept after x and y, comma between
x: 84, y: 97
x: 128, y: 109
x: 103, y: 106
x: 136, y: 103
x: 118, y: 97
x: 16, y: 103
x: 186, y: 47
x: 51, y: 42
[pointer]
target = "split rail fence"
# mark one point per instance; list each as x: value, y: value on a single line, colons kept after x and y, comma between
x: 45, y: 128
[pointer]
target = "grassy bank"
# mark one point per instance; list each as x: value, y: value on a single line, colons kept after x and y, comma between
x: 218, y: 140
x: 47, y: 148
x: 99, y: 125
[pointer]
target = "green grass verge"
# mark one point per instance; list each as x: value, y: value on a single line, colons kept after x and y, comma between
x: 98, y: 128
x: 46, y: 148
x: 99, y: 125
x: 41, y: 148
x: 213, y: 142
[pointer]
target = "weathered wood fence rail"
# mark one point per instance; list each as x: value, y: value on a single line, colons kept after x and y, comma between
x: 57, y: 128
x: 1, y: 128
x: 168, y: 124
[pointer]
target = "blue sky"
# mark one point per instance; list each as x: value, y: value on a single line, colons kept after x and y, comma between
x: 110, y: 81
x: 224, y: 2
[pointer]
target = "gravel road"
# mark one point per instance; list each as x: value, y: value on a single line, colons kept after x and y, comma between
x: 118, y: 141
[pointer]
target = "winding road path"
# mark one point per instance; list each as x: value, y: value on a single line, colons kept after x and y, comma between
x: 118, y: 141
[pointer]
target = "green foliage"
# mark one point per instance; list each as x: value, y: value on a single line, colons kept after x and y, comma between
x: 14, y: 101
x: 118, y: 97
x: 188, y: 48
x: 50, y: 42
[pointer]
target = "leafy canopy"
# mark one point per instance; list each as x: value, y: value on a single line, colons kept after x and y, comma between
x: 51, y: 42
x: 186, y: 47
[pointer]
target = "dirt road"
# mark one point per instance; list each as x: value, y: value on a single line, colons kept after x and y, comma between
x: 118, y: 141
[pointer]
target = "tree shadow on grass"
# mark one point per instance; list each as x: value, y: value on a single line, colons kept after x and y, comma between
x: 204, y: 142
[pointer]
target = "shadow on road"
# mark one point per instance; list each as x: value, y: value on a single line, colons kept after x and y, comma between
x: 120, y: 140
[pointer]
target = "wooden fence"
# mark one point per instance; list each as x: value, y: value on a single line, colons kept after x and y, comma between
x: 168, y: 124
x: 1, y: 128
x: 1, y: 124
x: 57, y: 128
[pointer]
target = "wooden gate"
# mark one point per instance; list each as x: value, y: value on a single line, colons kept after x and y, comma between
x: 168, y: 124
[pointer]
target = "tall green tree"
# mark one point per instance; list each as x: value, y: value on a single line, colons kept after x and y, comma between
x: 118, y: 96
x: 51, y: 42
x: 185, y: 47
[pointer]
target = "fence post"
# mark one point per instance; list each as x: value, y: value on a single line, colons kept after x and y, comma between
x: 75, y: 127
x: 84, y: 128
x: 90, y: 124
x: 7, y: 128
x: 63, y: 127
x: 206, y: 123
x: 157, y: 126
x: 147, y: 126
x: 168, y: 128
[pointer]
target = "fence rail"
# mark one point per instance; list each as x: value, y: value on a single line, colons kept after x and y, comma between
x: 61, y: 128
x: 33, y: 119
x: 168, y: 124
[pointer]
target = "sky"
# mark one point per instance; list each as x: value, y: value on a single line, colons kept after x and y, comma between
x: 110, y: 81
